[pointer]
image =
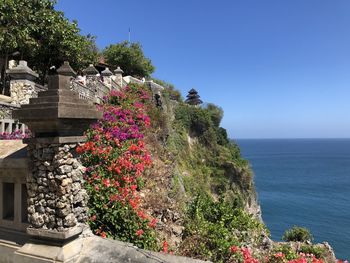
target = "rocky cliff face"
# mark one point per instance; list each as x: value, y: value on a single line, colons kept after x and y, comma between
x: 192, y: 157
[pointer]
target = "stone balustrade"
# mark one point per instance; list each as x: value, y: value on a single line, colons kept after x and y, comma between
x: 11, y: 125
x: 13, y: 192
x: 6, y: 109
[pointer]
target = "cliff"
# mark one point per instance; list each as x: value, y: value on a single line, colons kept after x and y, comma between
x: 202, y: 191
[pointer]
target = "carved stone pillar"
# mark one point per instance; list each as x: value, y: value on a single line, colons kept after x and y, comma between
x: 118, y: 77
x: 106, y: 75
x: 57, y: 201
x: 22, y: 85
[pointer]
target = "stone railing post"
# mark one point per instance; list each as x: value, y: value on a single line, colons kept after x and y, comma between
x: 106, y: 75
x: 118, y: 76
x: 57, y: 201
x: 22, y: 85
x: 92, y: 80
x: 91, y: 72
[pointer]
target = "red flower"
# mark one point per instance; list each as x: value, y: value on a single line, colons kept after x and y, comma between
x: 139, y: 232
x: 234, y: 249
x: 153, y: 223
x: 165, y: 247
x: 106, y: 182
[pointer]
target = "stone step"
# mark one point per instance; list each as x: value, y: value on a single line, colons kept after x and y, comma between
x: 64, y: 112
x: 59, y: 104
x: 59, y: 98
x: 55, y: 92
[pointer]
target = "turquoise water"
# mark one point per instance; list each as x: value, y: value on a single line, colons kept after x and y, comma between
x: 304, y: 182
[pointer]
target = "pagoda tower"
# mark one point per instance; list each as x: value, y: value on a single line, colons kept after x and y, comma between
x: 193, y: 98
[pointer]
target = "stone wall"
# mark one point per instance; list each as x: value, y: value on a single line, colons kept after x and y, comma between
x: 6, y: 110
x: 56, y: 198
x: 23, y: 90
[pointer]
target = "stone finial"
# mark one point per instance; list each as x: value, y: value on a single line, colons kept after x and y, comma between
x: 118, y: 71
x: 63, y: 77
x: 58, y: 111
x: 90, y: 70
x: 22, y: 71
x: 106, y: 72
x: 66, y: 70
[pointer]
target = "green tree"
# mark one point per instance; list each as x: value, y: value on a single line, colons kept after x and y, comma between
x: 130, y: 57
x: 41, y: 35
x: 15, y: 29
x: 216, y: 114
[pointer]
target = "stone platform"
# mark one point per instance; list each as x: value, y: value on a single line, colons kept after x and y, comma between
x: 88, y: 248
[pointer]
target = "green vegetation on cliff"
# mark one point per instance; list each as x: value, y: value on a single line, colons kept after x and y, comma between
x: 168, y: 178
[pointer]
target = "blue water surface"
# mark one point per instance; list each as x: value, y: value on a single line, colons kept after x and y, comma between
x: 304, y: 182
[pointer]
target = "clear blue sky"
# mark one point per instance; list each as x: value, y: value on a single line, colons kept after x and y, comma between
x: 278, y: 68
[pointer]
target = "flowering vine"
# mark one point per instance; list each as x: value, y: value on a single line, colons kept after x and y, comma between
x: 115, y: 158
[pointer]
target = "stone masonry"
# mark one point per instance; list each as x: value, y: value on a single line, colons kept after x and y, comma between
x: 56, y: 198
x: 57, y: 201
x: 22, y: 91
x: 22, y: 85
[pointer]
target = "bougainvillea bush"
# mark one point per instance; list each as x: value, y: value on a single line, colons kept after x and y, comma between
x: 115, y: 158
x: 16, y: 135
x: 244, y: 255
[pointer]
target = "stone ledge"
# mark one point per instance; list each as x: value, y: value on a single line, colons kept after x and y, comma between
x: 88, y: 248
x: 54, y: 234
x: 54, y: 140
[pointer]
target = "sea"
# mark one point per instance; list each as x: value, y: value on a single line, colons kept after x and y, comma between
x: 303, y: 182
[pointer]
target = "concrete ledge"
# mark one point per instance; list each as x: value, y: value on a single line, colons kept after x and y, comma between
x: 32, y: 252
x: 53, y: 140
x: 85, y: 249
x: 54, y: 234
x: 7, y: 252
x: 8, y: 148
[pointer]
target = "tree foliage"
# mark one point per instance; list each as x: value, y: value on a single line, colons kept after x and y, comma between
x: 130, y: 57
x: 42, y: 35
x: 299, y: 234
x: 216, y: 113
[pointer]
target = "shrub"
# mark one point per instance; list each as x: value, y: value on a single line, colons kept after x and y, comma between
x: 299, y: 234
x: 287, y: 251
x: 212, y: 227
x: 216, y: 114
x: 115, y: 158
x: 318, y: 252
x: 222, y: 138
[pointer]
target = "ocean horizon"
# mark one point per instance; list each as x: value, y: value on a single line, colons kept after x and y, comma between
x: 304, y: 182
